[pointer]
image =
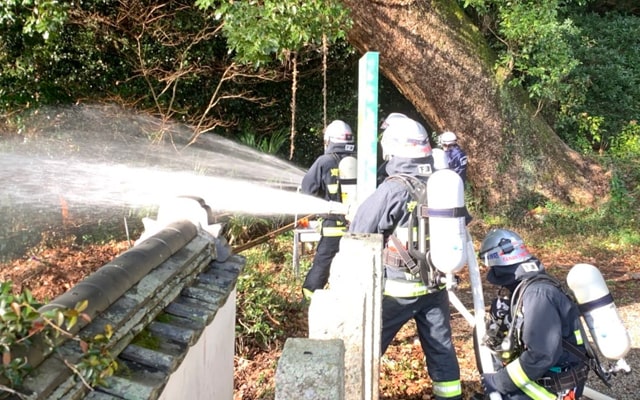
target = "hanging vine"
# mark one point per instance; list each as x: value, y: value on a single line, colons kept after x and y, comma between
x: 325, y: 48
x: 294, y: 88
x: 293, y: 25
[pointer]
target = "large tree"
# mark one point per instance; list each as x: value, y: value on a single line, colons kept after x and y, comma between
x: 438, y: 59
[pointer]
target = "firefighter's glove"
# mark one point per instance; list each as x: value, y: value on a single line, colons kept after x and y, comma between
x: 499, y: 308
x: 489, y: 383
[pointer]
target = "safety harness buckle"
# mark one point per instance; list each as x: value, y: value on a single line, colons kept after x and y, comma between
x: 565, y: 380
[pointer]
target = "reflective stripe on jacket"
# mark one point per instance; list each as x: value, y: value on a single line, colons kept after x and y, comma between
x: 331, y: 228
x: 524, y: 383
x: 402, y: 288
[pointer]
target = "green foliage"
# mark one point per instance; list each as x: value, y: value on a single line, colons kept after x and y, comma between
x: 161, y: 55
x: 532, y: 42
x: 538, y: 48
x: 270, y: 144
x: 242, y: 228
x: 173, y: 58
x: 34, y: 17
x: 610, y: 224
x: 627, y: 143
x: 605, y: 103
x: 583, y: 66
x: 269, y: 298
x: 625, y: 189
x: 259, y: 310
x: 97, y: 364
x: 18, y: 317
x: 258, y: 30
x: 342, y: 100
x: 29, y: 36
x: 146, y: 339
x: 265, y: 300
x: 20, y: 322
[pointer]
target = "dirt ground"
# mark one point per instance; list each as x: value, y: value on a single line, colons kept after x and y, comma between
x: 49, y: 272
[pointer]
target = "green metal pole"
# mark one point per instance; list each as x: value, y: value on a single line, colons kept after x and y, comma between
x: 367, y: 125
x: 367, y: 169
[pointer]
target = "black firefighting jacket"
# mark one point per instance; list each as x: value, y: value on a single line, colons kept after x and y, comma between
x: 547, y: 317
x: 386, y: 208
x: 321, y: 180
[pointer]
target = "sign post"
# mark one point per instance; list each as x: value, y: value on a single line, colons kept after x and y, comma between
x: 367, y: 125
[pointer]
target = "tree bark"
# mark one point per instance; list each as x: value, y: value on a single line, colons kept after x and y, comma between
x: 438, y: 59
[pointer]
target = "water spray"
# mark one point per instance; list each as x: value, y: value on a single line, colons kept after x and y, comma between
x: 102, y: 166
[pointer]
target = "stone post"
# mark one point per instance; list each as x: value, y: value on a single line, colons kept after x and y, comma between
x: 350, y: 310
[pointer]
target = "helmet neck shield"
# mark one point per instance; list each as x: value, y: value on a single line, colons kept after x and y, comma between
x: 422, y: 166
x: 339, y: 148
x: 509, y: 276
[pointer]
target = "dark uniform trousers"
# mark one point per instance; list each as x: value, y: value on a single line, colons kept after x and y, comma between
x: 328, y: 246
x: 431, y: 313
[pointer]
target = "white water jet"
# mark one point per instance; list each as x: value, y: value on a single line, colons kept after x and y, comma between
x: 85, y: 162
x: 29, y: 181
x: 88, y: 156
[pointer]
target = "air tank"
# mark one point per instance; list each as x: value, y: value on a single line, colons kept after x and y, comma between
x: 440, y: 159
x: 447, y: 228
x: 348, y: 174
x: 599, y: 311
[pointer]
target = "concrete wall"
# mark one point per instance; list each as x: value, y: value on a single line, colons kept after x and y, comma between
x: 207, y: 370
x: 185, y: 274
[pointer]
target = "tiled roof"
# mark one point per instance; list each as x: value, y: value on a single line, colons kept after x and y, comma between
x: 181, y: 272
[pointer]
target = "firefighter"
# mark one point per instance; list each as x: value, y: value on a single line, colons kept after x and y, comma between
x: 406, y: 148
x: 541, y: 349
x: 456, y: 156
x: 322, y: 180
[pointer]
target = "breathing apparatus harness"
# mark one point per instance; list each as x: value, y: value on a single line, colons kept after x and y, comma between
x: 415, y: 256
x: 504, y: 334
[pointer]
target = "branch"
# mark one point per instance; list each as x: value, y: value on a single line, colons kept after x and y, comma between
x: 77, y: 373
x: 9, y: 390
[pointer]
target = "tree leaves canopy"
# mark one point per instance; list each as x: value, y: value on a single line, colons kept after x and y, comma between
x: 256, y: 31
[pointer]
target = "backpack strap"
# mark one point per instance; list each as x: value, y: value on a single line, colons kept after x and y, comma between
x: 408, y: 261
x: 415, y: 186
x: 590, y: 359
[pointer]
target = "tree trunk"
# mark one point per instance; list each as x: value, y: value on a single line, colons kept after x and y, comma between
x: 439, y: 60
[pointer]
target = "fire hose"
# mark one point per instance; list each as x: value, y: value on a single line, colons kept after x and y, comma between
x: 269, y: 236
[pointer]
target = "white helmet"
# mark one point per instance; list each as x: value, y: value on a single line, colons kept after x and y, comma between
x: 448, y: 138
x: 503, y: 248
x: 338, y: 132
x: 390, y: 118
x: 405, y: 138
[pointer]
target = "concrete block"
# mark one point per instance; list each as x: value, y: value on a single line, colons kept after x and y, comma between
x: 311, y: 369
x: 341, y: 316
